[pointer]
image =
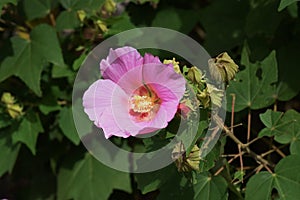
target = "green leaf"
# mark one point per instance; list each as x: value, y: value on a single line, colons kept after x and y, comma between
x: 121, y: 23
x: 267, y: 25
x: 67, y: 125
x: 8, y: 154
x: 30, y: 56
x: 285, y: 180
x: 210, y: 187
x: 253, y: 86
x: 290, y: 132
x: 260, y: 186
x: 221, y: 35
x: 61, y: 71
x: 81, y: 4
x: 293, y: 9
x: 5, y: 120
x: 239, y: 175
x: 36, y: 8
x: 89, y: 179
x: 67, y: 20
x: 79, y: 61
x: 201, y: 127
x: 271, y: 120
x: 284, y: 92
x: 178, y: 19
x: 28, y: 131
x: 284, y: 3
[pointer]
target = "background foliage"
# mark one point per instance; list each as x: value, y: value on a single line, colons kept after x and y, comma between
x: 43, y: 43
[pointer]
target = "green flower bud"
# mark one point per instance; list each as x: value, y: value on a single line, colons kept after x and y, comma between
x: 222, y: 68
x: 110, y: 6
x: 194, y: 75
x: 13, y: 109
x: 81, y: 15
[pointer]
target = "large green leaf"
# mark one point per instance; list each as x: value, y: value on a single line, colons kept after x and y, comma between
x: 266, y: 25
x: 28, y: 131
x: 36, y: 8
x: 8, y: 153
x: 290, y: 133
x: 210, y: 188
x: 67, y: 20
x: 272, y: 121
x: 285, y: 180
x: 284, y: 3
x: 285, y: 128
x: 228, y: 32
x: 178, y: 19
x: 284, y: 92
x: 66, y: 123
x: 120, y: 23
x: 31, y: 55
x: 81, y: 4
x: 89, y: 179
x: 253, y: 86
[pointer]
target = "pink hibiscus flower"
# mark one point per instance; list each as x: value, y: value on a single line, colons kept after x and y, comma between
x: 137, y: 95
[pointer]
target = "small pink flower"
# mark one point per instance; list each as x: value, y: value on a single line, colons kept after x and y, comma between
x: 137, y: 95
x: 183, y: 110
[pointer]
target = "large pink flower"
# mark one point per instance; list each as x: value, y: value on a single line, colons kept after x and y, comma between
x: 137, y: 95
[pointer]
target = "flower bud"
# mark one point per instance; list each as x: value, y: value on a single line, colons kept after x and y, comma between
x: 175, y: 65
x: 110, y: 6
x: 222, y: 68
x: 13, y: 109
x: 194, y: 75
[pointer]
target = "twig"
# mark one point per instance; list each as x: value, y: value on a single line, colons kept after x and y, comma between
x: 258, y: 158
x: 249, y: 125
x: 241, y: 159
x: 232, y: 112
x: 229, y: 161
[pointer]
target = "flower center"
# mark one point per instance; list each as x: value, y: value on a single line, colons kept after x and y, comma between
x: 144, y: 104
x: 141, y: 104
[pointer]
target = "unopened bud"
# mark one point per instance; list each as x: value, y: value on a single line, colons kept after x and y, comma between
x: 194, y: 75
x: 222, y: 68
x: 110, y: 6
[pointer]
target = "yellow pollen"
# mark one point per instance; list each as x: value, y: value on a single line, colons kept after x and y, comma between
x: 141, y: 104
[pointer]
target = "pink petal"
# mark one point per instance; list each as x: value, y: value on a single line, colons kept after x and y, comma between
x: 120, y: 61
x: 149, y: 58
x: 98, y: 104
x: 159, y: 122
x: 167, y: 78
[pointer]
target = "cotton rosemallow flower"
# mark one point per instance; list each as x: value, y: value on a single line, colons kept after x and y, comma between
x: 137, y: 95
